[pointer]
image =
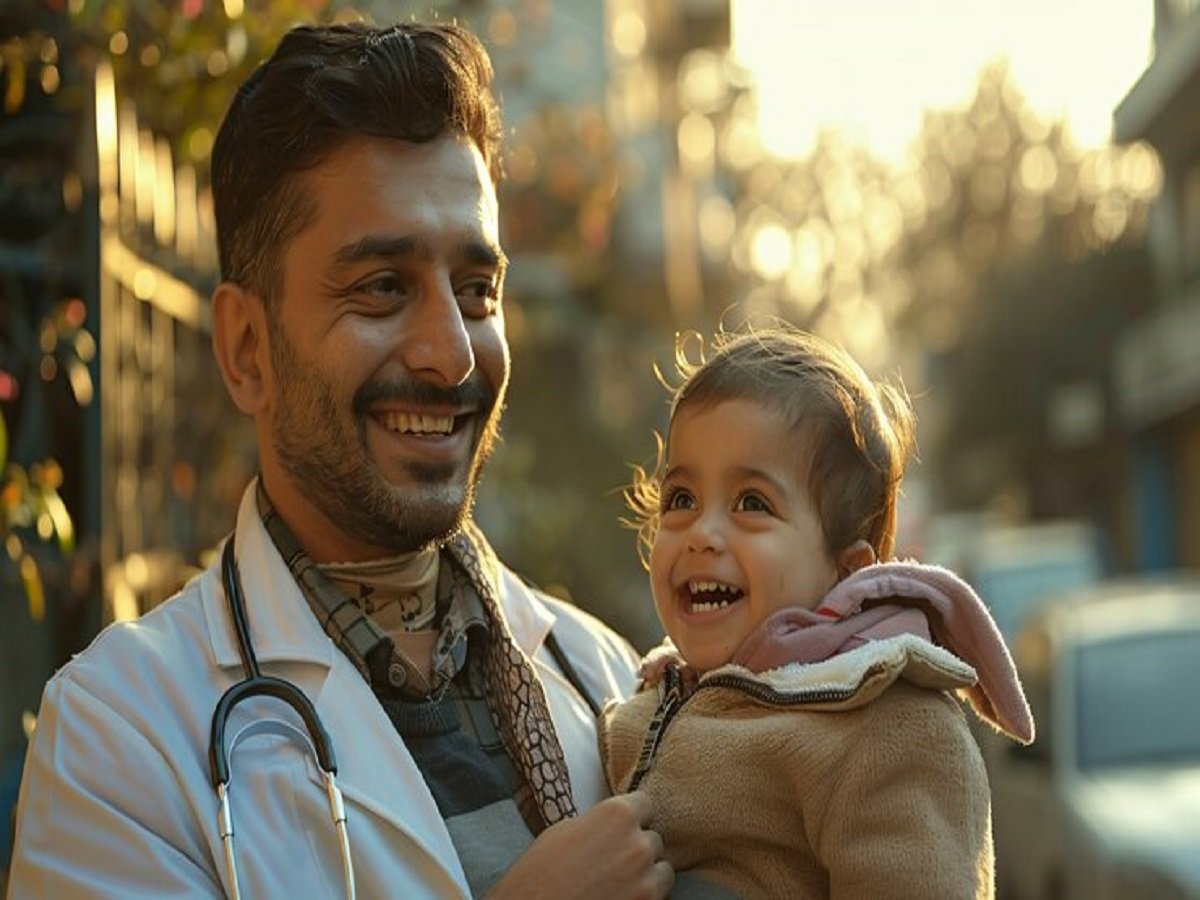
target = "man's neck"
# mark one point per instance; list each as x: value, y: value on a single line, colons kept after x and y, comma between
x: 322, y: 539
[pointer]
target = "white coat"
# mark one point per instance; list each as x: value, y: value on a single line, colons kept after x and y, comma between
x: 117, y: 801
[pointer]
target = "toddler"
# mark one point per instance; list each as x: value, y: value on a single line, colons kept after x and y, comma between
x: 811, y: 745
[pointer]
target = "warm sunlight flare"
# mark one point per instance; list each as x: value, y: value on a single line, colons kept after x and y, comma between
x: 872, y: 66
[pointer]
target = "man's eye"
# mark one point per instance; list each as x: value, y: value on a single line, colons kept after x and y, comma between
x: 388, y: 284
x: 752, y: 501
x: 479, y: 298
x: 678, y: 499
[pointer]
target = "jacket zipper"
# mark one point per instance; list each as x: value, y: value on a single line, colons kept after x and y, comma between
x: 776, y: 698
x: 673, y: 701
x: 668, y: 706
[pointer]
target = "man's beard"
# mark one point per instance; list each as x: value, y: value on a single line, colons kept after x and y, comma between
x: 330, y: 463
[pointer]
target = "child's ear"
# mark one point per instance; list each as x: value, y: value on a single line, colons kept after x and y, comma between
x: 855, y: 557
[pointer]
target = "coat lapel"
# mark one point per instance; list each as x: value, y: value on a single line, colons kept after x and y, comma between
x: 376, y: 772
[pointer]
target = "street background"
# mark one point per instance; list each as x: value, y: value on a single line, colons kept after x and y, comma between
x: 997, y: 203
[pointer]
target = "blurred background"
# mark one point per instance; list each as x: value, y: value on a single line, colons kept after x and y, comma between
x: 997, y: 202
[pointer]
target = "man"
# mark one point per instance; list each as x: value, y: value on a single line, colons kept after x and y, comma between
x: 360, y: 323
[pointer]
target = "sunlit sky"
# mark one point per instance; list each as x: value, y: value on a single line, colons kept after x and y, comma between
x: 871, y: 66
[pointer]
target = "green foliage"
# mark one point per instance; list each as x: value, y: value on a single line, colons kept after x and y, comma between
x: 30, y: 502
x: 179, y: 63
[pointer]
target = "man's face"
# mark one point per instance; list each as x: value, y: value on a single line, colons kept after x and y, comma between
x: 388, y: 350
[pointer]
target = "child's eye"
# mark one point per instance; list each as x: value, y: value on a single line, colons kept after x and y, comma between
x: 752, y: 501
x: 675, y: 499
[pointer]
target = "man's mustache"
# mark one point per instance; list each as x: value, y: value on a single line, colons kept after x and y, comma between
x: 475, y: 393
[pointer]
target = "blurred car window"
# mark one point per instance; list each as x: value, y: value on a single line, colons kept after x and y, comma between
x: 1017, y: 568
x: 1105, y: 805
x: 1139, y: 700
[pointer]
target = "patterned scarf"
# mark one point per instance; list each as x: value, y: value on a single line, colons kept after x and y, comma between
x: 398, y: 592
x: 515, y: 695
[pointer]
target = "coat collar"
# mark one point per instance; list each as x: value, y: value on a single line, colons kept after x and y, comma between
x: 282, y: 625
x: 528, y: 617
x: 863, y: 673
x: 284, y: 630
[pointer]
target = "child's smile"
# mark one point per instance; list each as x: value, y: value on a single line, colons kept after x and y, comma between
x: 738, y: 537
x: 709, y: 596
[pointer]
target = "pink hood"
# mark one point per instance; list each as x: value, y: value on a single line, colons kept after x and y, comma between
x: 888, y: 599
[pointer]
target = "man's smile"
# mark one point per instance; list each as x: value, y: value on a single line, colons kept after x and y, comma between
x: 433, y: 437
x: 416, y: 423
x: 422, y: 423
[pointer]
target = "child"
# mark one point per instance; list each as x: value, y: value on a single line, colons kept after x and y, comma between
x: 817, y: 750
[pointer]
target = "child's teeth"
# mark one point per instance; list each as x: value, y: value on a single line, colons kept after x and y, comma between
x: 711, y: 587
x: 697, y: 587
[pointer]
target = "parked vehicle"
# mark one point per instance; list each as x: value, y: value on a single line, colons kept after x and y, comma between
x: 1016, y: 568
x: 1106, y: 802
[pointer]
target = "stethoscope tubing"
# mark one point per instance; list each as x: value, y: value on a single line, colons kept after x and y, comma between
x: 255, y: 684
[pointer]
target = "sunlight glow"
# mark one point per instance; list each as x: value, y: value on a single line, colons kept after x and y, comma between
x: 771, y: 251
x: 871, y: 66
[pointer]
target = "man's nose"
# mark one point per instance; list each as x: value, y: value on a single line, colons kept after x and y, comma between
x: 436, y: 342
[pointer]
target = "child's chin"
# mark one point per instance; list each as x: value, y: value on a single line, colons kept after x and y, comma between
x: 702, y: 662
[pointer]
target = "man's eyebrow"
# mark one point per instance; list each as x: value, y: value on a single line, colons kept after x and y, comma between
x: 399, y: 246
x: 377, y: 246
x: 485, y: 254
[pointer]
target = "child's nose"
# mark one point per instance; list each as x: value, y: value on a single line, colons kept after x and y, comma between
x: 706, y: 534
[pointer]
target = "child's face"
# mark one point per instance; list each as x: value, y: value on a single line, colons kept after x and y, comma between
x: 739, y: 538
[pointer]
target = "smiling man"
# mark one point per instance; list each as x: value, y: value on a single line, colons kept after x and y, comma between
x: 385, y: 349
x: 360, y: 323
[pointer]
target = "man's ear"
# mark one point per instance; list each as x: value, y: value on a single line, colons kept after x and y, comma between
x: 855, y: 557
x: 240, y: 346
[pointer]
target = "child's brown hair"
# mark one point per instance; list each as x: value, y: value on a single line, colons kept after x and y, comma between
x: 857, y: 434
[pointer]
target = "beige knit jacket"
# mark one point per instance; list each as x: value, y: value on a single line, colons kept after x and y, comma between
x: 855, y: 777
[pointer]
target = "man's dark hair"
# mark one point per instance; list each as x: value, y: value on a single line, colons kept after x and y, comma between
x: 322, y: 87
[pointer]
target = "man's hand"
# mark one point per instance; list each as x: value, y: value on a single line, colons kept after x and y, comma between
x: 604, y: 854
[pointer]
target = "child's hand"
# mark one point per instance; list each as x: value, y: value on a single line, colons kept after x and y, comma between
x: 655, y: 663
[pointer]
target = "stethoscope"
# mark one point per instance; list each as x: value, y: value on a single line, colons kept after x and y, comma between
x: 256, y: 684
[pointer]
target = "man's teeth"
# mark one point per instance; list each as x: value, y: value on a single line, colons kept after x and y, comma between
x: 415, y: 423
x: 721, y: 595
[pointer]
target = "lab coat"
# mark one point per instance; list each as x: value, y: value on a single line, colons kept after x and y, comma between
x: 117, y: 800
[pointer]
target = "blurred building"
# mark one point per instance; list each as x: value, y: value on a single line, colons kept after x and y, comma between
x: 641, y: 84
x: 49, y: 426
x: 174, y: 455
x: 607, y: 210
x: 671, y: 89
x: 1157, y: 368
x: 616, y: 214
